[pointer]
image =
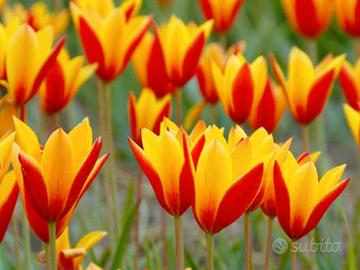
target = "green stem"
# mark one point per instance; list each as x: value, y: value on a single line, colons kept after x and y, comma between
x: 305, y: 138
x: 27, y: 242
x: 210, y: 251
x: 179, y: 104
x: 247, y: 248
x: 214, y: 114
x: 268, y: 243
x: 52, y: 263
x: 179, y: 243
x: 16, y: 242
x: 293, y: 257
x: 138, y: 221
x: 104, y: 102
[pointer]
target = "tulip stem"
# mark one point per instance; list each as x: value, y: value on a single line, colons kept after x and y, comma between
x: 210, y: 251
x: 268, y: 243
x: 27, y: 242
x: 293, y: 256
x: 305, y: 138
x: 247, y: 248
x: 137, y: 222
x: 52, y: 263
x: 214, y: 115
x: 179, y: 112
x: 16, y: 242
x: 179, y: 243
x: 104, y: 103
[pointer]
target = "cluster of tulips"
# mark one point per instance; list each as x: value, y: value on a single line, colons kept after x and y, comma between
x: 188, y: 164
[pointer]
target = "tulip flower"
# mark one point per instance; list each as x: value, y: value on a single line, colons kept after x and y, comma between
x: 223, y: 13
x: 347, y: 13
x: 63, y: 82
x: 236, y: 85
x: 298, y: 215
x: 166, y: 161
x: 182, y: 46
x: 2, y: 4
x: 38, y: 16
x: 7, y: 111
x: 8, y: 188
x: 150, y: 67
x: 353, y: 119
x: 29, y: 57
x: 52, y: 180
x: 71, y: 258
x: 310, y: 18
x: 268, y: 107
x: 350, y: 82
x: 110, y: 40
x: 164, y: 3
x: 308, y: 88
x: 147, y: 112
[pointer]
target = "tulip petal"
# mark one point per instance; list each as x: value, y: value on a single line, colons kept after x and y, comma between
x: 348, y: 84
x: 307, y: 18
x: 8, y: 197
x: 241, y: 194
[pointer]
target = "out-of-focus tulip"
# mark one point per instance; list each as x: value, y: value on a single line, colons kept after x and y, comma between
x: 7, y: 111
x: 308, y: 88
x: 350, y: 82
x: 308, y: 17
x: 111, y: 39
x: 226, y: 180
x: 2, y: 4
x: 29, y: 57
x: 147, y: 112
x: 6, y: 32
x: 150, y: 67
x: 167, y: 163
x: 182, y: 46
x: 38, y: 16
x: 71, y: 258
x: 347, y: 13
x: 299, y: 214
x: 52, y: 180
x: 353, y: 119
x: 268, y: 107
x: 236, y: 85
x: 8, y: 188
x: 223, y: 13
x: 63, y: 81
x: 164, y: 3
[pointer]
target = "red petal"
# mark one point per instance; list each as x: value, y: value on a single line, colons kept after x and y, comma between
x: 238, y: 198
x: 165, y: 113
x: 82, y: 176
x: 282, y: 200
x: 321, y: 208
x: 318, y: 96
x: 349, y: 88
x: 206, y: 8
x: 307, y: 18
x: 243, y: 91
x: 7, y: 209
x: 156, y: 70
x: 93, y: 48
x: 44, y: 70
x: 35, y: 189
x: 186, y: 179
x: 197, y: 149
x: 150, y: 173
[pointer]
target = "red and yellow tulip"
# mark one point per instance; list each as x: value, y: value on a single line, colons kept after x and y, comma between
x: 298, y: 215
x: 149, y: 64
x: 7, y: 111
x: 147, y: 112
x: 71, y: 258
x: 347, y: 13
x: 350, y: 83
x: 226, y: 180
x: 236, y: 85
x: 38, y: 16
x: 353, y: 119
x: 310, y: 18
x: 8, y: 188
x: 308, y: 88
x: 29, y: 57
x: 109, y: 35
x: 63, y: 81
x: 52, y: 180
x: 182, y: 46
x: 222, y: 12
x: 167, y: 163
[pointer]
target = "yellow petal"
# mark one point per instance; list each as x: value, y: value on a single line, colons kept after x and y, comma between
x: 353, y: 119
